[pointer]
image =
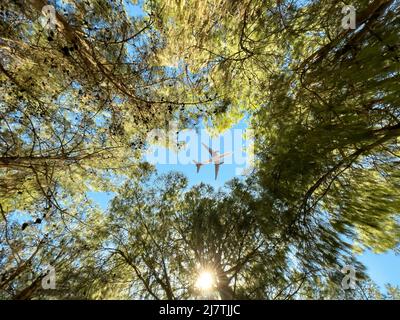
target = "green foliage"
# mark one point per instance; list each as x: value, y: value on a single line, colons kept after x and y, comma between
x: 77, y: 103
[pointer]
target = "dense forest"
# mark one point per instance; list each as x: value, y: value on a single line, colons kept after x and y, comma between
x: 83, y: 83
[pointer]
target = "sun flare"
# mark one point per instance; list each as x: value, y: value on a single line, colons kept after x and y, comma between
x: 205, y: 281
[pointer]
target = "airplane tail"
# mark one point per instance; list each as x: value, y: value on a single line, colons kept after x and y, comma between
x: 198, y: 165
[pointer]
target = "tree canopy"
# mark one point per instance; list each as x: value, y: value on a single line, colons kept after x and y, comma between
x: 81, y: 93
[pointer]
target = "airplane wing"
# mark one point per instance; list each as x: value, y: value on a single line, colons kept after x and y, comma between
x: 211, y: 151
x: 216, y: 170
x: 226, y: 154
x: 204, y: 162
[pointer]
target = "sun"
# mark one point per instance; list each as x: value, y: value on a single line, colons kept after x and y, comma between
x: 205, y: 281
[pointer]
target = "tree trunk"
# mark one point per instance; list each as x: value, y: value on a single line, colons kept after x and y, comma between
x: 225, y: 291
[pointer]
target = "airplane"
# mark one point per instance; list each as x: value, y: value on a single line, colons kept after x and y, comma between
x: 215, y: 157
